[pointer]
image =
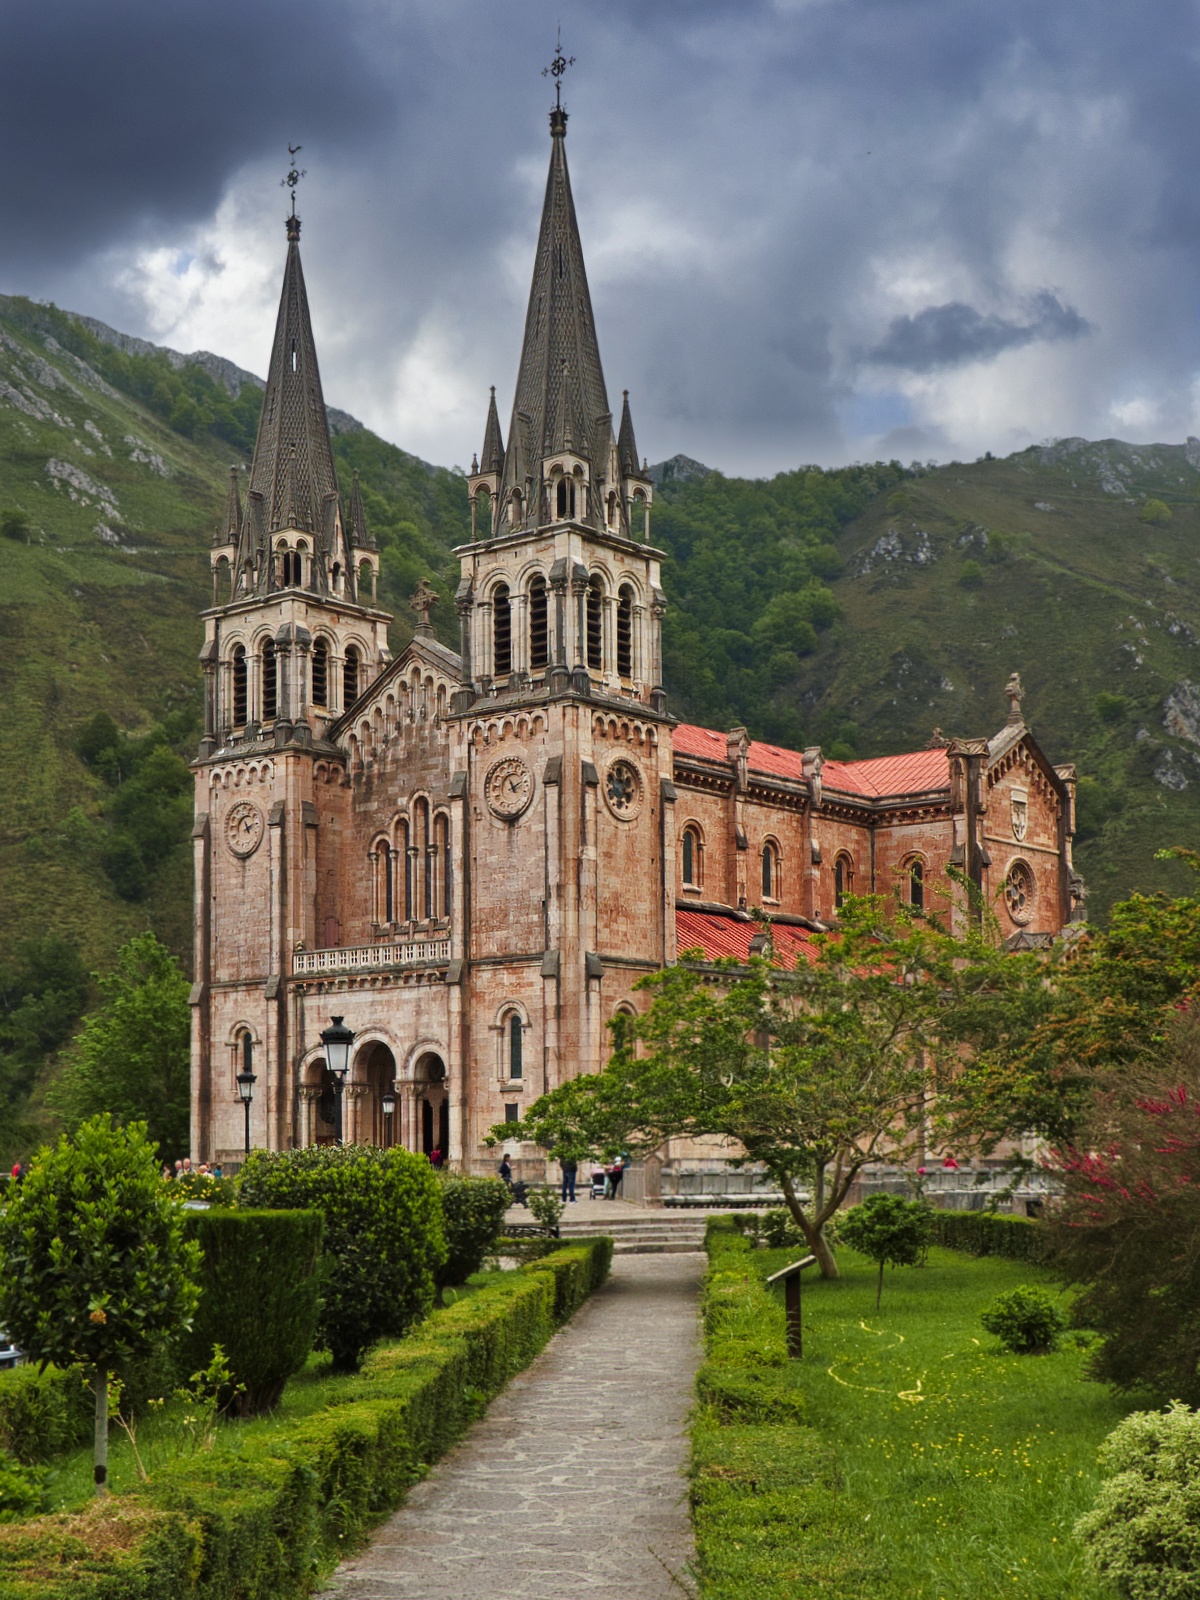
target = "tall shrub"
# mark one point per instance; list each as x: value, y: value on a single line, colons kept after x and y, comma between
x: 259, y: 1298
x: 94, y: 1267
x: 384, y: 1236
x: 473, y: 1212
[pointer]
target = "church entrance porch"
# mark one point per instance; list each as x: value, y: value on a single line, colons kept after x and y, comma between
x: 427, y: 1104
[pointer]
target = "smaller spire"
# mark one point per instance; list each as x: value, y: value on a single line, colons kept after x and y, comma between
x: 492, y: 457
x: 360, y: 533
x: 627, y: 455
x: 230, y: 529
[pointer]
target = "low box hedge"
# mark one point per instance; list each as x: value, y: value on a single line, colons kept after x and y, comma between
x: 991, y: 1233
x: 264, y: 1520
x: 770, y: 1517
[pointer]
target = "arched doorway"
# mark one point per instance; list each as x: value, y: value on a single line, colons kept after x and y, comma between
x: 376, y: 1074
x: 319, y: 1096
x: 431, y: 1124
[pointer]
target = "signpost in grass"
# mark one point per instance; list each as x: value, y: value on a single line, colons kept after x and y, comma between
x: 791, y: 1302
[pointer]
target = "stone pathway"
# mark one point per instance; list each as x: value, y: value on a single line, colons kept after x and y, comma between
x: 573, y: 1483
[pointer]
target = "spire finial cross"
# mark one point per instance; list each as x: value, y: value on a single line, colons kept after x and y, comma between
x: 294, y: 174
x: 556, y: 69
x: 423, y: 603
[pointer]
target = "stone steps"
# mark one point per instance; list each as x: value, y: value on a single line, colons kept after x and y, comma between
x: 656, y: 1234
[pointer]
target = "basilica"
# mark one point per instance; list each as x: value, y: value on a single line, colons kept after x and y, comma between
x: 472, y: 856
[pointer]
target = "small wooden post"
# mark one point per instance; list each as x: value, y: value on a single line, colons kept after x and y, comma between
x: 791, y: 1301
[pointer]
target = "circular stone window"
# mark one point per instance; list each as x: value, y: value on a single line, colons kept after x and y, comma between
x: 1020, y: 891
x: 623, y: 790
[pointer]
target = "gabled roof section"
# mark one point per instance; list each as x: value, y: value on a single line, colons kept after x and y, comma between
x: 721, y: 936
x: 920, y: 772
x: 292, y: 474
x: 425, y: 651
x: 561, y: 401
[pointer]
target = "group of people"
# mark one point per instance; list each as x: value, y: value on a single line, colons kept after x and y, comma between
x: 185, y: 1169
x: 613, y: 1174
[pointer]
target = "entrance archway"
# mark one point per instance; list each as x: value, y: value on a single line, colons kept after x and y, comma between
x: 431, y: 1125
x: 377, y: 1074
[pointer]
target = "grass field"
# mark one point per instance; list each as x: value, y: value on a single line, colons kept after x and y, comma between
x: 941, y: 1467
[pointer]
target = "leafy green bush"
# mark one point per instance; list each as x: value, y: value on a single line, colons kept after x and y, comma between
x: 890, y: 1230
x: 1026, y: 1321
x: 44, y: 1413
x: 987, y: 1233
x: 203, y: 1186
x: 1143, y: 1534
x: 1156, y: 512
x: 383, y: 1236
x: 780, y: 1231
x: 22, y: 1490
x: 258, y: 1520
x: 259, y: 1298
x: 472, y: 1214
x: 547, y: 1209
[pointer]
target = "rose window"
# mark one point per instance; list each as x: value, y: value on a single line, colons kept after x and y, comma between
x: 1020, y: 891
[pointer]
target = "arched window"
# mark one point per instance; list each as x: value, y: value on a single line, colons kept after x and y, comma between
x: 247, y: 1053
x: 770, y: 870
x: 625, y: 632
x: 389, y: 886
x: 539, y: 638
x: 320, y: 673
x: 421, y: 858
x: 293, y: 569
x: 481, y: 514
x: 916, y: 883
x: 515, y: 1041
x: 502, y: 632
x: 560, y: 499
x: 595, y: 626
x: 270, y: 682
x: 443, y: 844
x: 350, y: 676
x: 641, y: 513
x: 335, y: 577
x: 843, y: 879
x: 240, y: 691
x: 612, y: 510
x: 691, y: 857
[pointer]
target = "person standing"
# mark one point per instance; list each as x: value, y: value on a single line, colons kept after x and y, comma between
x: 506, y: 1171
x: 570, y: 1169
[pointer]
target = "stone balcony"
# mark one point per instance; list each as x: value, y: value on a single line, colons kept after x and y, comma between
x: 420, y: 949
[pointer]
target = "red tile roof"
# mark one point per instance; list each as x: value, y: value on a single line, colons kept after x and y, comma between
x: 915, y: 773
x: 727, y: 936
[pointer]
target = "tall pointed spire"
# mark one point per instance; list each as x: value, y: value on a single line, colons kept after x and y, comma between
x: 360, y: 534
x: 293, y: 472
x: 627, y: 456
x: 560, y: 401
x: 492, y: 459
x: 229, y: 530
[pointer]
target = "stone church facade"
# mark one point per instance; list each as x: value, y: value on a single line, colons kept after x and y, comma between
x: 473, y: 857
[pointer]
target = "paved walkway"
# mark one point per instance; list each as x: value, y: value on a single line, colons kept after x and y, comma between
x: 572, y: 1484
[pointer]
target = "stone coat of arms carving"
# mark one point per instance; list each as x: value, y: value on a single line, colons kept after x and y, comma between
x: 1019, y: 802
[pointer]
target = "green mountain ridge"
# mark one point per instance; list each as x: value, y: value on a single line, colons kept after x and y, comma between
x: 856, y: 608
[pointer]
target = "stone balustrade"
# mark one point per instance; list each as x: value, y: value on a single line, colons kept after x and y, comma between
x: 373, y: 957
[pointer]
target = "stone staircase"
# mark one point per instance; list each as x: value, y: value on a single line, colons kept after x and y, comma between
x: 666, y: 1232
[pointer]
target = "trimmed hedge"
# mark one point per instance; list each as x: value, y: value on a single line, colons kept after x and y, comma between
x: 259, y: 1298
x: 769, y: 1515
x: 266, y: 1519
x: 44, y: 1414
x: 989, y: 1233
x: 473, y: 1214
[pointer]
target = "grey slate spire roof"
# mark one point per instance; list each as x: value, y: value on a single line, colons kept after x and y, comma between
x: 359, y: 532
x: 560, y: 401
x: 229, y: 530
x: 627, y: 456
x: 492, y: 459
x: 292, y: 475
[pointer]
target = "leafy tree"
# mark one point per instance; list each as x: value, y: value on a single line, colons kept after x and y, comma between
x: 889, y: 1229
x: 1157, y: 512
x: 1127, y: 1227
x: 43, y: 990
x: 1026, y: 1321
x: 384, y: 1237
x: 15, y: 525
x: 93, y: 1264
x: 131, y: 1059
x: 814, y: 1072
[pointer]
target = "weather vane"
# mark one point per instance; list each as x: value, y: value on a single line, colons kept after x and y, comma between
x: 294, y: 174
x: 557, y: 67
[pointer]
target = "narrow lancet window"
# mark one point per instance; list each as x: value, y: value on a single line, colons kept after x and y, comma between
x: 320, y: 673
x: 350, y: 676
x: 595, y: 626
x: 516, y: 1041
x: 270, y: 683
x: 502, y: 632
x: 625, y: 632
x: 539, y: 641
x: 240, y: 695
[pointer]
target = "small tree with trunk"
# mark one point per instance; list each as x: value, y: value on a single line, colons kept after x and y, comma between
x: 889, y: 1230
x: 94, y: 1267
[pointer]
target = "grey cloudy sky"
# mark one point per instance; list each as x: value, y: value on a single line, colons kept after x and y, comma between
x: 816, y: 230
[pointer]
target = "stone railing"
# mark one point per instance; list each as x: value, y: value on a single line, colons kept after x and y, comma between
x: 371, y: 957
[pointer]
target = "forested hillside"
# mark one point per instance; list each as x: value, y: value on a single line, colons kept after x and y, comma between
x: 854, y: 608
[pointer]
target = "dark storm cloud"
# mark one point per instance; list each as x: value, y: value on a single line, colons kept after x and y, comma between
x: 785, y: 204
x: 945, y: 336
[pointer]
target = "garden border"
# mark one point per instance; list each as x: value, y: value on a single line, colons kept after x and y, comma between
x: 270, y: 1521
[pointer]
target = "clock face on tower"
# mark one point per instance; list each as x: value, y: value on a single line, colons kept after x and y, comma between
x: 623, y: 790
x: 244, y: 828
x: 508, y: 787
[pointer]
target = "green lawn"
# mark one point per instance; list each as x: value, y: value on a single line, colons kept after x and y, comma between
x: 966, y: 1466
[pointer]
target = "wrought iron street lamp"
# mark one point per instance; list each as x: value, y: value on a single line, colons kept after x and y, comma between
x: 389, y: 1108
x: 245, y: 1082
x: 337, y: 1041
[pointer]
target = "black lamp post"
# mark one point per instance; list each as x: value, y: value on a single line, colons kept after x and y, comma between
x: 245, y: 1082
x: 337, y: 1041
x: 389, y: 1108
